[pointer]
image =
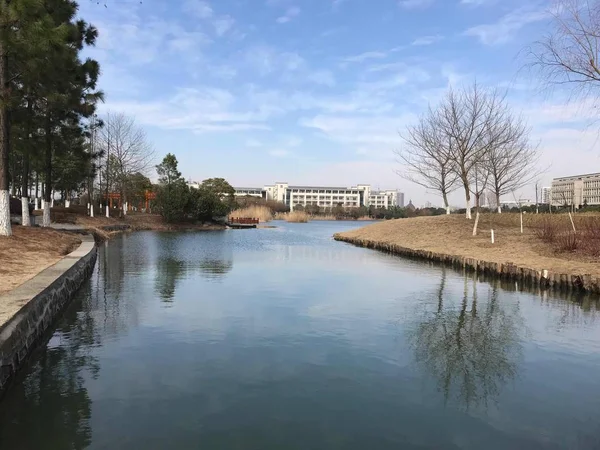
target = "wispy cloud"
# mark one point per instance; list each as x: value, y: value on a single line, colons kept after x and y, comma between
x: 507, y: 27
x: 199, y: 8
x: 290, y: 13
x: 223, y: 24
x: 415, y: 4
x: 362, y: 57
x: 427, y: 40
x: 324, y: 77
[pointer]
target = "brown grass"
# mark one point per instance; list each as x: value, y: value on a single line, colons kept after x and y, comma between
x: 297, y: 217
x: 324, y: 217
x: 260, y: 212
x: 29, y: 251
x: 452, y: 235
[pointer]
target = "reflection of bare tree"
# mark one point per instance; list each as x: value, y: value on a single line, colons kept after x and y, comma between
x: 473, y: 348
x: 52, y: 400
x: 215, y: 268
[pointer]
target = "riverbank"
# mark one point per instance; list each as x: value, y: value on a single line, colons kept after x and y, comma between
x: 29, y: 251
x: 449, y: 239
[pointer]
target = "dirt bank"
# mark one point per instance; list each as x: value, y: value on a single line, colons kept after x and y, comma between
x: 29, y: 251
x: 452, y: 236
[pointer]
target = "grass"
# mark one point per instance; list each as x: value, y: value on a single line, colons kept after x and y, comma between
x: 297, y: 217
x: 452, y: 235
x: 260, y: 212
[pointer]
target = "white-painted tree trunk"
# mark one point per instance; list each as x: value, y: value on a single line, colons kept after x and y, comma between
x: 493, y: 237
x: 43, y: 203
x: 91, y: 210
x: 37, y: 204
x: 107, y: 211
x: 67, y: 204
x: 469, y: 216
x: 25, y: 212
x: 499, y: 209
x: 125, y: 209
x: 521, y: 222
x: 476, y: 223
x: 5, y: 228
x: 46, y: 218
x: 447, y: 209
x: 52, y: 203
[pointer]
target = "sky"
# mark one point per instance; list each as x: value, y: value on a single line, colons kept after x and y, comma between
x: 318, y: 91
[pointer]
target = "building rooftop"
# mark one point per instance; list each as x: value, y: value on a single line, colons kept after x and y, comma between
x: 587, y: 175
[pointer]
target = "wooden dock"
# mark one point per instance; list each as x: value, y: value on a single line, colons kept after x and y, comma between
x: 242, y: 223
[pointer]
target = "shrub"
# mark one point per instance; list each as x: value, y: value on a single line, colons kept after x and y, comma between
x: 546, y: 230
x: 568, y: 241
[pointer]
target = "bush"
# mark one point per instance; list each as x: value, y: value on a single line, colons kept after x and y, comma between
x: 567, y: 242
x: 547, y: 230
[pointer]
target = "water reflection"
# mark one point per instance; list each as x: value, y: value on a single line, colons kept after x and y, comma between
x: 56, y: 384
x: 473, y: 348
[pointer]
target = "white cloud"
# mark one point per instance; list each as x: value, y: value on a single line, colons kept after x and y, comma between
x: 223, y: 24
x: 427, y: 40
x: 324, y: 77
x: 362, y: 57
x: 291, y: 12
x: 507, y: 27
x: 415, y: 4
x: 198, y: 8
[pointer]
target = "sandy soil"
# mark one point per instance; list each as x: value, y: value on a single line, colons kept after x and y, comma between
x: 29, y: 251
x: 452, y: 235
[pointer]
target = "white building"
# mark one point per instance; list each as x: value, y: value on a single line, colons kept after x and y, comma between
x: 331, y: 196
x: 250, y: 192
x: 576, y: 190
x: 546, y: 195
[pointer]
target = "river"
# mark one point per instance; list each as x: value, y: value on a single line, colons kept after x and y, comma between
x: 285, y: 339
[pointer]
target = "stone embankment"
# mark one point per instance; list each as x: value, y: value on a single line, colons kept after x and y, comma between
x: 533, y: 277
x: 27, y: 311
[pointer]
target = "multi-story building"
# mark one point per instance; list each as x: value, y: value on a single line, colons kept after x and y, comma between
x: 325, y: 196
x: 576, y: 190
x: 546, y: 195
x: 250, y: 192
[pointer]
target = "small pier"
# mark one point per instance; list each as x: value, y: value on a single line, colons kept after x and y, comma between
x: 242, y: 222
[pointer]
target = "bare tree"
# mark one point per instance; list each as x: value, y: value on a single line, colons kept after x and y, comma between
x: 471, y: 119
x: 569, y: 54
x: 512, y: 162
x: 427, y: 156
x: 127, y: 152
x: 479, y: 183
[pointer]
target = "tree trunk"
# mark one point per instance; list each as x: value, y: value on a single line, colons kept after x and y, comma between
x: 446, y: 204
x: 25, y: 181
x: 467, y: 198
x: 498, y: 203
x: 476, y: 223
x: 48, y: 183
x: 5, y: 228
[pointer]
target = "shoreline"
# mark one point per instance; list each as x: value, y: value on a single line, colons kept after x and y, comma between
x: 408, y: 239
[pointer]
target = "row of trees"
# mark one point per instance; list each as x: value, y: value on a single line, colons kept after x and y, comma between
x: 177, y: 202
x: 48, y: 94
x: 471, y: 140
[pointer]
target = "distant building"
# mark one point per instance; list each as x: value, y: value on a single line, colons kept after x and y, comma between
x: 576, y: 190
x: 325, y: 196
x: 546, y: 195
x: 515, y: 203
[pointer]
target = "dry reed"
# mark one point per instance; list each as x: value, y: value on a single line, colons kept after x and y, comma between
x: 297, y: 217
x: 259, y: 212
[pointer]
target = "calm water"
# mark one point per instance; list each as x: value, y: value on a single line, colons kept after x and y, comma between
x: 284, y: 339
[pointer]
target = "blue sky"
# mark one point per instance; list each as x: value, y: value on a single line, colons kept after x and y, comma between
x: 316, y: 91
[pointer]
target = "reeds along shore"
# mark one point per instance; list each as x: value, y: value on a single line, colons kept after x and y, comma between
x: 532, y: 277
x: 296, y: 217
x: 260, y: 212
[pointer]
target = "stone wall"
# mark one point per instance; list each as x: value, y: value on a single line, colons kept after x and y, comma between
x: 31, y: 308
